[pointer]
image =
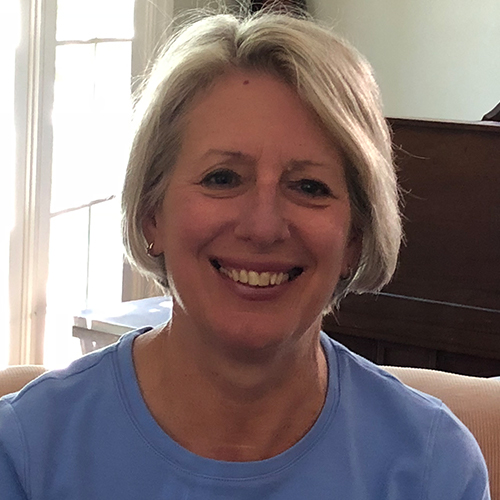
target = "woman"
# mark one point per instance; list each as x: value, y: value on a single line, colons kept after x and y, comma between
x: 260, y: 190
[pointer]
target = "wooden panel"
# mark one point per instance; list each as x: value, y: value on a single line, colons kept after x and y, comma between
x: 451, y: 176
x: 406, y: 355
x: 468, y: 365
x: 393, y: 354
x: 413, y: 322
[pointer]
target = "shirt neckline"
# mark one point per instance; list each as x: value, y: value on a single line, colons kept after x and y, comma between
x: 181, y: 458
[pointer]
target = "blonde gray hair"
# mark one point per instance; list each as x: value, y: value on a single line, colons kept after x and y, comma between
x: 334, y: 81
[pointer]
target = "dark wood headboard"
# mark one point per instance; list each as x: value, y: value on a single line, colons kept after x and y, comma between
x: 442, y: 309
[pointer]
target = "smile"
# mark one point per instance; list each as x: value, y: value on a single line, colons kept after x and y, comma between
x: 258, y: 279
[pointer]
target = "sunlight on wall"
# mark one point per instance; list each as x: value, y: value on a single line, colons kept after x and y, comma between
x: 9, y: 38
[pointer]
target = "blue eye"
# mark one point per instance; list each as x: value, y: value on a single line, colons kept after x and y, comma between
x: 220, y: 179
x: 311, y: 188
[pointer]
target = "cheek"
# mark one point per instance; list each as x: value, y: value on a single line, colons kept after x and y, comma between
x: 327, y: 230
x: 327, y: 238
x: 192, y: 221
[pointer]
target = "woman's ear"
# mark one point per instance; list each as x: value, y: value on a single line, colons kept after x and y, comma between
x: 150, y: 231
x: 149, y: 227
x: 352, y: 253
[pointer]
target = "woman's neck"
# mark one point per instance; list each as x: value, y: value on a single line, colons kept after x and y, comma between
x: 230, y: 409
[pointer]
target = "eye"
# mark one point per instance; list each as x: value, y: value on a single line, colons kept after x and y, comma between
x: 311, y: 188
x: 221, y: 179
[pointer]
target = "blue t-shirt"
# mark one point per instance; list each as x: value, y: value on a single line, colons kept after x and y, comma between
x: 85, y: 432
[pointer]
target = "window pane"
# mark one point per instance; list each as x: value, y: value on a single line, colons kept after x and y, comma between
x: 113, y: 107
x: 75, y: 78
x: 115, y: 18
x: 67, y: 285
x: 76, y: 19
x: 73, y: 125
x: 105, y: 256
x: 89, y: 19
x: 73, y: 161
x: 112, y: 76
x: 91, y: 119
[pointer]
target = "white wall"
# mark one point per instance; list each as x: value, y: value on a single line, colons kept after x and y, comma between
x: 432, y: 58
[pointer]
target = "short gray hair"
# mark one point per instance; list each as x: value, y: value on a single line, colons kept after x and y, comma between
x: 334, y: 81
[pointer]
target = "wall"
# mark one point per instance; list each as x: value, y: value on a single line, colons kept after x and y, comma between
x: 432, y: 58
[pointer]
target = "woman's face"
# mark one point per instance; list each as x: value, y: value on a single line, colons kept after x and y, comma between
x: 255, y: 222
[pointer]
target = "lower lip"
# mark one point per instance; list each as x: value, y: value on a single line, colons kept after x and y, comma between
x: 255, y: 292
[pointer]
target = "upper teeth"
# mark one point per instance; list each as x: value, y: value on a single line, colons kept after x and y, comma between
x: 254, y: 278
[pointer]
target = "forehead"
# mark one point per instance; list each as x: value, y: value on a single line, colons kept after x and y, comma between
x: 247, y: 111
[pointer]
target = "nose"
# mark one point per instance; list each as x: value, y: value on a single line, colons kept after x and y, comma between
x: 261, y: 218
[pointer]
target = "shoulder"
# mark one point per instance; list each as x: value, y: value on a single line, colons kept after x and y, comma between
x: 60, y: 409
x: 62, y: 382
x: 360, y: 378
x: 31, y: 418
x: 385, y: 396
x: 455, y: 454
x: 405, y: 422
x: 376, y: 405
x: 46, y: 402
x: 49, y: 399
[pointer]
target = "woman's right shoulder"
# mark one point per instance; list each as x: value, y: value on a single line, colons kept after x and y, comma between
x: 55, y: 390
x: 84, y: 377
x: 30, y: 418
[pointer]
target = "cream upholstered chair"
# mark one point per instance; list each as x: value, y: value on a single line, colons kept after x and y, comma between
x: 475, y: 401
x: 14, y: 378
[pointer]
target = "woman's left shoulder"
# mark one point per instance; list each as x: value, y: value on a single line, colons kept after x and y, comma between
x: 411, y: 424
x: 455, y: 454
x: 360, y: 378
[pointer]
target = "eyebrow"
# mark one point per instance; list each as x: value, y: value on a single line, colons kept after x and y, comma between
x: 298, y: 165
x: 239, y: 156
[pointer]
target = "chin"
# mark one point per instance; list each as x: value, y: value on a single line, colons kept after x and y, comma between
x: 253, y: 337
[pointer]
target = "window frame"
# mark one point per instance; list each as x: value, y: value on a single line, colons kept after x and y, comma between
x: 34, y: 93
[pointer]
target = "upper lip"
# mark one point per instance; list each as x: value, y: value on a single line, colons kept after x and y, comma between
x: 260, y: 267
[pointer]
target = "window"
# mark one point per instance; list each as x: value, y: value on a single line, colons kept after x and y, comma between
x: 73, y: 68
x: 9, y: 39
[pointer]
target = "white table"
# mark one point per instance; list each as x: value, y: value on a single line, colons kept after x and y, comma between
x: 99, y: 328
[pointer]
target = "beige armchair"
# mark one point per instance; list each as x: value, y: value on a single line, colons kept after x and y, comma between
x: 475, y: 401
x: 14, y: 378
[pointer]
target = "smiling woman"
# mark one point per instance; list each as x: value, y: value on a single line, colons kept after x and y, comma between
x: 260, y: 190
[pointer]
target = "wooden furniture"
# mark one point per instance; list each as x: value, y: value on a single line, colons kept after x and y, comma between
x: 442, y: 309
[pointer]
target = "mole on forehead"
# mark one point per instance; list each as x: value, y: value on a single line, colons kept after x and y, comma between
x: 246, y: 82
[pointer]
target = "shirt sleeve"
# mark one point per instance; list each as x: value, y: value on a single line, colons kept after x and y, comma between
x: 456, y: 468
x: 10, y: 482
